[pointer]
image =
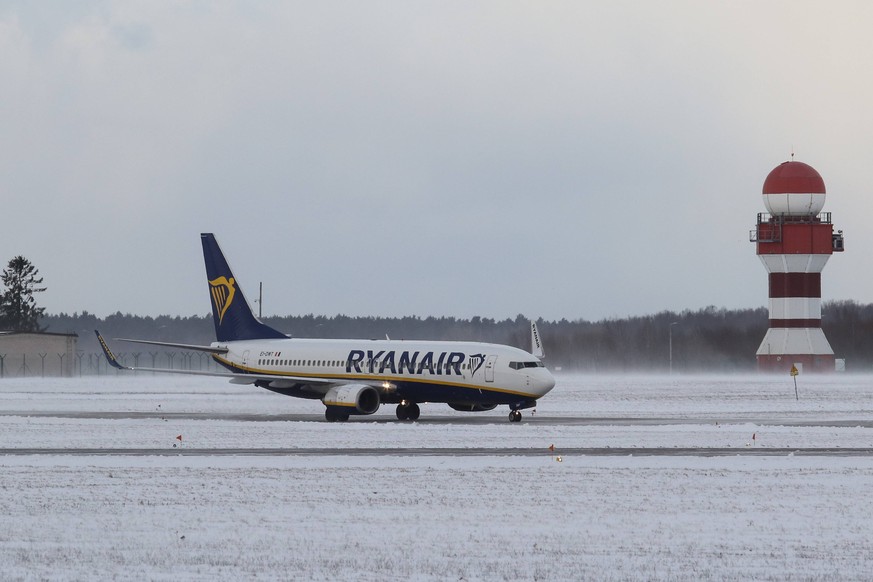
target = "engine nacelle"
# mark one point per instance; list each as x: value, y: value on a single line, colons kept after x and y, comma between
x: 353, y: 398
x: 471, y: 406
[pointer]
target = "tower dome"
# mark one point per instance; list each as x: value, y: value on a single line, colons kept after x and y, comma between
x: 794, y: 189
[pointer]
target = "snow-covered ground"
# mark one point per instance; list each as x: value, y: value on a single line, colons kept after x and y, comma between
x: 439, y: 517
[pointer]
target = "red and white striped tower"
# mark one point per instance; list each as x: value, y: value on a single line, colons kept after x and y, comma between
x: 794, y: 241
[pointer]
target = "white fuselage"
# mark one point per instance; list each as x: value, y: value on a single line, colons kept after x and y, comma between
x: 422, y: 371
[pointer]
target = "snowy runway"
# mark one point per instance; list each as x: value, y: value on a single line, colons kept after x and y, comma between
x: 404, y: 510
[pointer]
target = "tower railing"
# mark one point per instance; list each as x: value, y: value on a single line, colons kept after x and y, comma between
x: 769, y: 227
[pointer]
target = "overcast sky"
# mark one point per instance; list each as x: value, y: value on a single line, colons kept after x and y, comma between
x: 555, y: 159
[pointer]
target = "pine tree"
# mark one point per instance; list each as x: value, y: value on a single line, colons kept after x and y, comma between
x: 18, y: 310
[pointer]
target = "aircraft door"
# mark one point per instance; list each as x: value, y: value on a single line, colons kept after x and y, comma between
x: 489, y: 368
x: 245, y: 358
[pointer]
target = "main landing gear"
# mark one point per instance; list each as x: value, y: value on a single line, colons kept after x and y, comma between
x: 333, y: 415
x: 408, y: 411
x: 514, y: 416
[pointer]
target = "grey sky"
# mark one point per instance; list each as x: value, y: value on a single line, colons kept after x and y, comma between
x: 556, y: 159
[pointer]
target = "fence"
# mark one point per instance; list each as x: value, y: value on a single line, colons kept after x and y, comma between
x: 42, y: 365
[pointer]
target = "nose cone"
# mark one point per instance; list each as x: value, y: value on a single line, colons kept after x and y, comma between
x: 542, y: 382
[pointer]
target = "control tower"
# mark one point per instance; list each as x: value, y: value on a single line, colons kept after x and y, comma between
x: 794, y: 241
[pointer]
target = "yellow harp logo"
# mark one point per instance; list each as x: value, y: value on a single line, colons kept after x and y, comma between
x: 222, y: 295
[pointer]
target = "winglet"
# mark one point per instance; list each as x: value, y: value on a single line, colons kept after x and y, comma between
x: 110, y: 357
x: 536, y: 346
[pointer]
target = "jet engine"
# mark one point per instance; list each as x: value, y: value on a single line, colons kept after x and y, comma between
x: 353, y: 398
x: 471, y: 406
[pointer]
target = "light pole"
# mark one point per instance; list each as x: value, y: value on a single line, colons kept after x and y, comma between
x: 260, y: 299
x: 671, y: 345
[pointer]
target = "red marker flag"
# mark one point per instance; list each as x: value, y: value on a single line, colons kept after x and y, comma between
x: 552, y: 448
x: 753, y: 436
x: 179, y: 438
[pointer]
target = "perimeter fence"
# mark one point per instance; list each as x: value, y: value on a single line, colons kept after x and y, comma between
x: 45, y: 365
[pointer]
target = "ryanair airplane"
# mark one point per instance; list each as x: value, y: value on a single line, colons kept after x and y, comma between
x: 357, y: 376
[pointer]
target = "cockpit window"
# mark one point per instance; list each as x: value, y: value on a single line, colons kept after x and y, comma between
x: 520, y: 365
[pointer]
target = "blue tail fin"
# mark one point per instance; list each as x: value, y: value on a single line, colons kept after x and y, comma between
x: 231, y: 313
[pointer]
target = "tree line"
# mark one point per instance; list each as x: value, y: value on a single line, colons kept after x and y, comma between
x: 704, y: 340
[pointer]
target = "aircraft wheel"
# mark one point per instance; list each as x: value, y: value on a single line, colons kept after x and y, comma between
x: 413, y: 411
x: 332, y: 415
x: 515, y: 416
x: 402, y: 412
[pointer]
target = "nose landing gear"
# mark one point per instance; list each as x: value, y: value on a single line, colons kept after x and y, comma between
x: 514, y: 416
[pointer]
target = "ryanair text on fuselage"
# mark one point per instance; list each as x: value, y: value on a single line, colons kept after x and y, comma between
x: 445, y: 363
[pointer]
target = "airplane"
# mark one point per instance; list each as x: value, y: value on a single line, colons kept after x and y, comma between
x: 353, y: 376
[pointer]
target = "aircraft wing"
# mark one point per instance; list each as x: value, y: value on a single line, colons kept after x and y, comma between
x: 316, y: 383
x: 192, y: 347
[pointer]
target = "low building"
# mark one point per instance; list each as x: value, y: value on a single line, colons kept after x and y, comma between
x: 26, y: 354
